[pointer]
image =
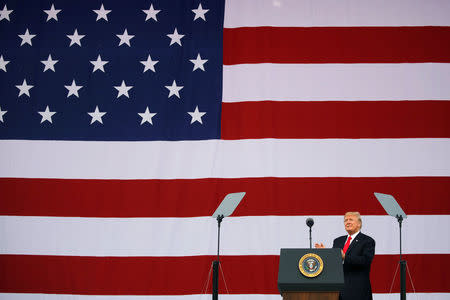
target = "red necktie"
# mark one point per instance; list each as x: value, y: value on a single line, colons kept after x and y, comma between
x: 347, y: 244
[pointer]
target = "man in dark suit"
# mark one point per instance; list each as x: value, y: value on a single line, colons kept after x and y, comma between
x: 357, y: 250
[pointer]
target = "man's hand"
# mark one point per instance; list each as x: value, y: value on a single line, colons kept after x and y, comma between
x: 342, y: 254
x: 319, y: 245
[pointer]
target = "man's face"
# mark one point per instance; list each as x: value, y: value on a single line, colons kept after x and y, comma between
x: 351, y: 223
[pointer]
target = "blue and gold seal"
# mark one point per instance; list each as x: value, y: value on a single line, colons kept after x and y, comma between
x: 310, y: 265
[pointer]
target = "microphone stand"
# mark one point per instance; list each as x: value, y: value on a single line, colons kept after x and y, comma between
x: 310, y: 240
x: 310, y: 223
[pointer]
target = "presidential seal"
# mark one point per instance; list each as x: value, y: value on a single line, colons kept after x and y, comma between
x: 310, y: 265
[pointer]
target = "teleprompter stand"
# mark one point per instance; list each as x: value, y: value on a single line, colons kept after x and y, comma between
x: 225, y: 209
x: 393, y: 209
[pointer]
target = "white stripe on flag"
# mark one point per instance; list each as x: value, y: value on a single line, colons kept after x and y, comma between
x: 245, y: 13
x: 336, y: 82
x: 198, y: 236
x: 225, y: 159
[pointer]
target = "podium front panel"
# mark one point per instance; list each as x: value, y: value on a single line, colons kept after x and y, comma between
x: 291, y: 279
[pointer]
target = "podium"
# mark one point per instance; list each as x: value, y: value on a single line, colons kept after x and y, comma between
x: 310, y: 274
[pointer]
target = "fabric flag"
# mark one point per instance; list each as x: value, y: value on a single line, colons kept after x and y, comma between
x: 124, y: 124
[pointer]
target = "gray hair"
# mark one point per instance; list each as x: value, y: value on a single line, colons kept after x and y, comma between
x: 356, y: 214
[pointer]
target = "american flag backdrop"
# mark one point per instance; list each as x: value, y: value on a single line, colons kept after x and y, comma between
x: 123, y: 124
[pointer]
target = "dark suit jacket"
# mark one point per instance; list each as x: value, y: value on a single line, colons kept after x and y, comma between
x: 357, y: 267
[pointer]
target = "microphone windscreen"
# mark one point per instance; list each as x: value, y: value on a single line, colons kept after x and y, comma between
x: 309, y: 222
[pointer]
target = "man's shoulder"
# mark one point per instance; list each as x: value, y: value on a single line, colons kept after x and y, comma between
x: 342, y: 237
x: 365, y: 237
x: 360, y: 236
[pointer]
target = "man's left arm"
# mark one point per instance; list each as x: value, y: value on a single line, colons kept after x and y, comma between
x: 364, y: 258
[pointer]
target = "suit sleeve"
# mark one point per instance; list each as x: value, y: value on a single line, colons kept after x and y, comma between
x: 335, y: 244
x: 364, y: 257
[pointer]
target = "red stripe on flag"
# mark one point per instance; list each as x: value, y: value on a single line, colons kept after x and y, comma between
x: 336, y: 45
x: 336, y: 119
x: 187, y: 275
x: 200, y: 197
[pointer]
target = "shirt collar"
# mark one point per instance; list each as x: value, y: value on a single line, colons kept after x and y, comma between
x: 354, y: 235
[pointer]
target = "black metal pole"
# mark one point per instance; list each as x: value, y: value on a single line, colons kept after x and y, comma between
x: 402, y: 280
x: 310, y: 240
x: 400, y: 219
x: 219, y: 220
x: 402, y: 263
x: 215, y: 283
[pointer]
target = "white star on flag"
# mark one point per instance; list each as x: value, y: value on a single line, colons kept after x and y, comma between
x: 147, y: 116
x: 4, y: 13
x: 200, y: 12
x: 75, y: 38
x: 49, y: 63
x: 175, y: 37
x: 151, y: 13
x: 123, y: 89
x: 96, y: 115
x: 125, y: 38
x: 99, y: 64
x: 73, y: 89
x: 2, y: 112
x: 149, y: 64
x: 24, y: 88
x: 46, y: 115
x: 174, y: 89
x: 3, y: 63
x: 52, y: 13
x: 102, y: 13
x: 198, y: 63
x: 26, y: 38
x: 196, y: 115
